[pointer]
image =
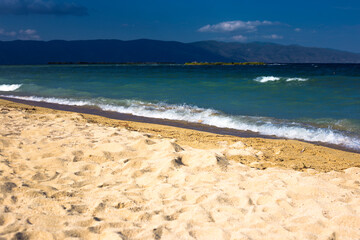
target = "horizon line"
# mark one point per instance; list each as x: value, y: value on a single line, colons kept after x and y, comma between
x: 148, y: 39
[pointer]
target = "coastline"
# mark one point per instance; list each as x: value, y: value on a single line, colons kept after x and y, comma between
x: 283, y: 153
x: 174, y: 123
x: 66, y: 175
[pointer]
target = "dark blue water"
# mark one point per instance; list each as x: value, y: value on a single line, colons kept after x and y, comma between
x: 303, y: 101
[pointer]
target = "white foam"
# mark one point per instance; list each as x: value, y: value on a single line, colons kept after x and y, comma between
x: 297, y: 79
x: 9, y: 87
x: 212, y: 117
x: 265, y: 79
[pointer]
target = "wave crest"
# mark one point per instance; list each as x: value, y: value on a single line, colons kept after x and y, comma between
x: 297, y: 79
x: 9, y: 87
x: 264, y: 79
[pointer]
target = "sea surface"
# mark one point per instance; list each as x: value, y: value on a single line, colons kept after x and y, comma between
x: 311, y: 102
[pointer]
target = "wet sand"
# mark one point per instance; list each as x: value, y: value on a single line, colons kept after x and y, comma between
x: 77, y: 176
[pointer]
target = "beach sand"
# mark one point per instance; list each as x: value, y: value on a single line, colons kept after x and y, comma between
x: 74, y: 176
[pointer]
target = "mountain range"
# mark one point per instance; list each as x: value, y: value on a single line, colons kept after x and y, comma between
x: 145, y: 50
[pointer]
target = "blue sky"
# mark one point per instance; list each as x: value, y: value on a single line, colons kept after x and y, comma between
x: 318, y: 23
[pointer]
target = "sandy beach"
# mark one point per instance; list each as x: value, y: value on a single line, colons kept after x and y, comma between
x: 75, y: 176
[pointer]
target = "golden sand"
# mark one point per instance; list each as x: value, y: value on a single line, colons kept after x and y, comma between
x: 75, y: 176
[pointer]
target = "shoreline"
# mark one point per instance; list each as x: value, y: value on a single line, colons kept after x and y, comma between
x: 283, y: 153
x: 166, y: 122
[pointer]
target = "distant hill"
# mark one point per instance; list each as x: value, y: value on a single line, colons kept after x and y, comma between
x: 143, y: 50
x: 276, y: 53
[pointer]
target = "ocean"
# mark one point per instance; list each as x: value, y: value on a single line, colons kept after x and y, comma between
x: 310, y: 102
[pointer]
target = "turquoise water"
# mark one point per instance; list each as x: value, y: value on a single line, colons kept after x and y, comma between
x: 301, y: 101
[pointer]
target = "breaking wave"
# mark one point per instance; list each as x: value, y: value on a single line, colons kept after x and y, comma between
x: 297, y: 79
x: 264, y: 79
x: 9, y: 87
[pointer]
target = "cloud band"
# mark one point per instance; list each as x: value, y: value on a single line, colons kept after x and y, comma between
x: 231, y: 26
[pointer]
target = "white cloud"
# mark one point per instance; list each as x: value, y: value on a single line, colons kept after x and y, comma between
x: 27, y: 34
x: 234, y: 25
x: 11, y: 34
x: 8, y: 34
x: 239, y: 38
x: 30, y: 31
x: 297, y: 29
x: 273, y: 36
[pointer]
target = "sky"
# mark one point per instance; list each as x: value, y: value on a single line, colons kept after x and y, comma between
x: 314, y: 23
